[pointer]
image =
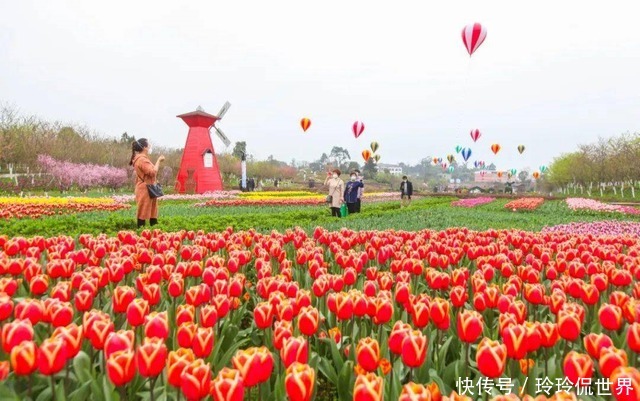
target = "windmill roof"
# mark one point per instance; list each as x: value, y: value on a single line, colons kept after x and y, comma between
x: 198, y: 113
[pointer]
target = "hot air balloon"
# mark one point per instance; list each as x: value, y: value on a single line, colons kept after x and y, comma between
x: 435, y: 160
x: 458, y: 149
x: 444, y: 166
x: 305, y: 123
x: 358, y: 127
x: 513, y: 171
x: 439, y: 159
x: 451, y: 168
x: 376, y: 158
x: 366, y: 155
x: 374, y: 146
x: 450, y: 158
x: 500, y: 174
x: 509, y: 175
x: 476, y: 164
x: 466, y: 154
x: 483, y: 173
x: 536, y: 175
x: 521, y: 148
x: 472, y: 36
x: 475, y: 134
x: 495, y: 148
x: 543, y: 169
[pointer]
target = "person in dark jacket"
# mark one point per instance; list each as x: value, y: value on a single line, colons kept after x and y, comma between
x: 406, y: 190
x: 351, y: 190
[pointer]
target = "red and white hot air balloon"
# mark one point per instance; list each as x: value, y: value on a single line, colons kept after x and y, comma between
x: 475, y: 134
x: 358, y: 128
x: 305, y: 123
x: 472, y: 36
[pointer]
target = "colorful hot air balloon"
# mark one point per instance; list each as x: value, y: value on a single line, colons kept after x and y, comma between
x: 536, y: 175
x: 374, y: 146
x: 466, y: 154
x: 458, y: 149
x: 500, y: 173
x: 521, y: 148
x: 305, y: 123
x: 435, y: 160
x: 472, y: 36
x: 366, y: 155
x: 475, y: 134
x: 357, y: 128
x: 543, y: 169
x: 495, y: 148
x: 509, y: 175
x: 376, y: 158
x: 450, y: 158
x: 439, y: 159
x: 451, y: 168
x: 513, y: 171
x: 483, y: 173
x: 444, y: 166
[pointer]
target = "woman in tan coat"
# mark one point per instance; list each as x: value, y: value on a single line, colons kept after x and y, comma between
x: 336, y: 191
x: 146, y: 173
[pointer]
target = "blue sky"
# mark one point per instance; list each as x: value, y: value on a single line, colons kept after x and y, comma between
x: 550, y: 74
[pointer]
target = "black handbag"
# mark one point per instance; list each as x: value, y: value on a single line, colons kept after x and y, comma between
x: 155, y: 190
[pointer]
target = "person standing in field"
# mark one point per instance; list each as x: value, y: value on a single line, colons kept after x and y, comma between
x: 351, y: 192
x: 146, y: 173
x: 360, y: 191
x: 336, y: 191
x: 406, y: 190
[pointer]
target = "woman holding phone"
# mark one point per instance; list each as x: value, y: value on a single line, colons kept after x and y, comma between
x: 336, y: 191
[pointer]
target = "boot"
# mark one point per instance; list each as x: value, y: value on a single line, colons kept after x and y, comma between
x: 141, y: 223
x: 153, y: 222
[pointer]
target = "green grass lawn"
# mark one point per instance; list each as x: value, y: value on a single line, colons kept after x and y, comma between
x: 433, y: 213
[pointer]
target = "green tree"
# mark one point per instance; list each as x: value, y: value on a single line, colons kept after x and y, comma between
x: 239, y: 149
x: 370, y: 169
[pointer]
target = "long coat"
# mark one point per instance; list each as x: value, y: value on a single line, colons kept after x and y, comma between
x: 336, y: 189
x: 352, y: 191
x: 145, y: 174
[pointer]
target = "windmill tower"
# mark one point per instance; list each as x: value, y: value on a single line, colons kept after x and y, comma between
x: 199, y: 171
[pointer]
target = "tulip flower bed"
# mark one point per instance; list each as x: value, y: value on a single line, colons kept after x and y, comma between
x: 608, y: 228
x: 346, y: 315
x: 594, y: 205
x: 183, y: 197
x: 35, y: 207
x: 472, y: 202
x: 525, y: 204
x: 285, y: 199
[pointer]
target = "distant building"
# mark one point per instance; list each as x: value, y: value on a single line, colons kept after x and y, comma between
x: 490, y: 177
x: 391, y: 168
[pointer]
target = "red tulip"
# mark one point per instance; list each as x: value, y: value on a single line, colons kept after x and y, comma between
x: 176, y: 286
x: 98, y: 332
x: 14, y: 333
x: 299, y: 382
x: 368, y: 354
x: 23, y: 358
x: 308, y: 320
x: 633, y: 337
x: 549, y: 334
x: 420, y: 314
x: 595, y: 343
x: 227, y: 386
x: 610, y: 317
x: 203, y: 342
x: 31, y: 309
x: 157, y: 325
x: 625, y: 384
x: 5, y: 367
x: 294, y: 349
x: 196, y: 380
x: 137, y: 311
x: 255, y: 365
x: 368, y: 387
x: 72, y: 337
x: 121, y: 367
x: 470, y: 325
x: 414, y: 349
x: 39, y: 284
x: 515, y: 339
x: 491, y: 358
x: 398, y: 333
x: 122, y: 297
x: 185, y: 313
x: 83, y: 301
x: 177, y: 361
x: 569, y: 325
x: 122, y: 340
x: 6, y: 306
x: 610, y: 359
x: 343, y: 306
x: 52, y: 356
x: 577, y: 367
x: 151, y: 357
x: 263, y: 315
x: 415, y: 392
x: 208, y: 315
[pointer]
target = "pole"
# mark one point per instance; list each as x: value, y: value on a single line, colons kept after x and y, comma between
x: 244, y: 171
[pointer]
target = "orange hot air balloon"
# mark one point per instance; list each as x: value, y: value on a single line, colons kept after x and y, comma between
x: 435, y: 160
x: 536, y: 175
x: 495, y: 148
x: 366, y: 155
x: 305, y: 123
x: 500, y: 174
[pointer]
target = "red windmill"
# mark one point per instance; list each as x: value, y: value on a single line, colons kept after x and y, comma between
x: 199, y: 171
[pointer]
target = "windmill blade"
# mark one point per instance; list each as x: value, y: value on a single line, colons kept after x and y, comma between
x: 223, y: 110
x: 222, y: 136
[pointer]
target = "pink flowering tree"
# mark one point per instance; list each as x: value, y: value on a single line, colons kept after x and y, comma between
x: 84, y: 176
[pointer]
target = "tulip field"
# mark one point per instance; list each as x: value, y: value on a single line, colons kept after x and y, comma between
x: 492, y: 299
